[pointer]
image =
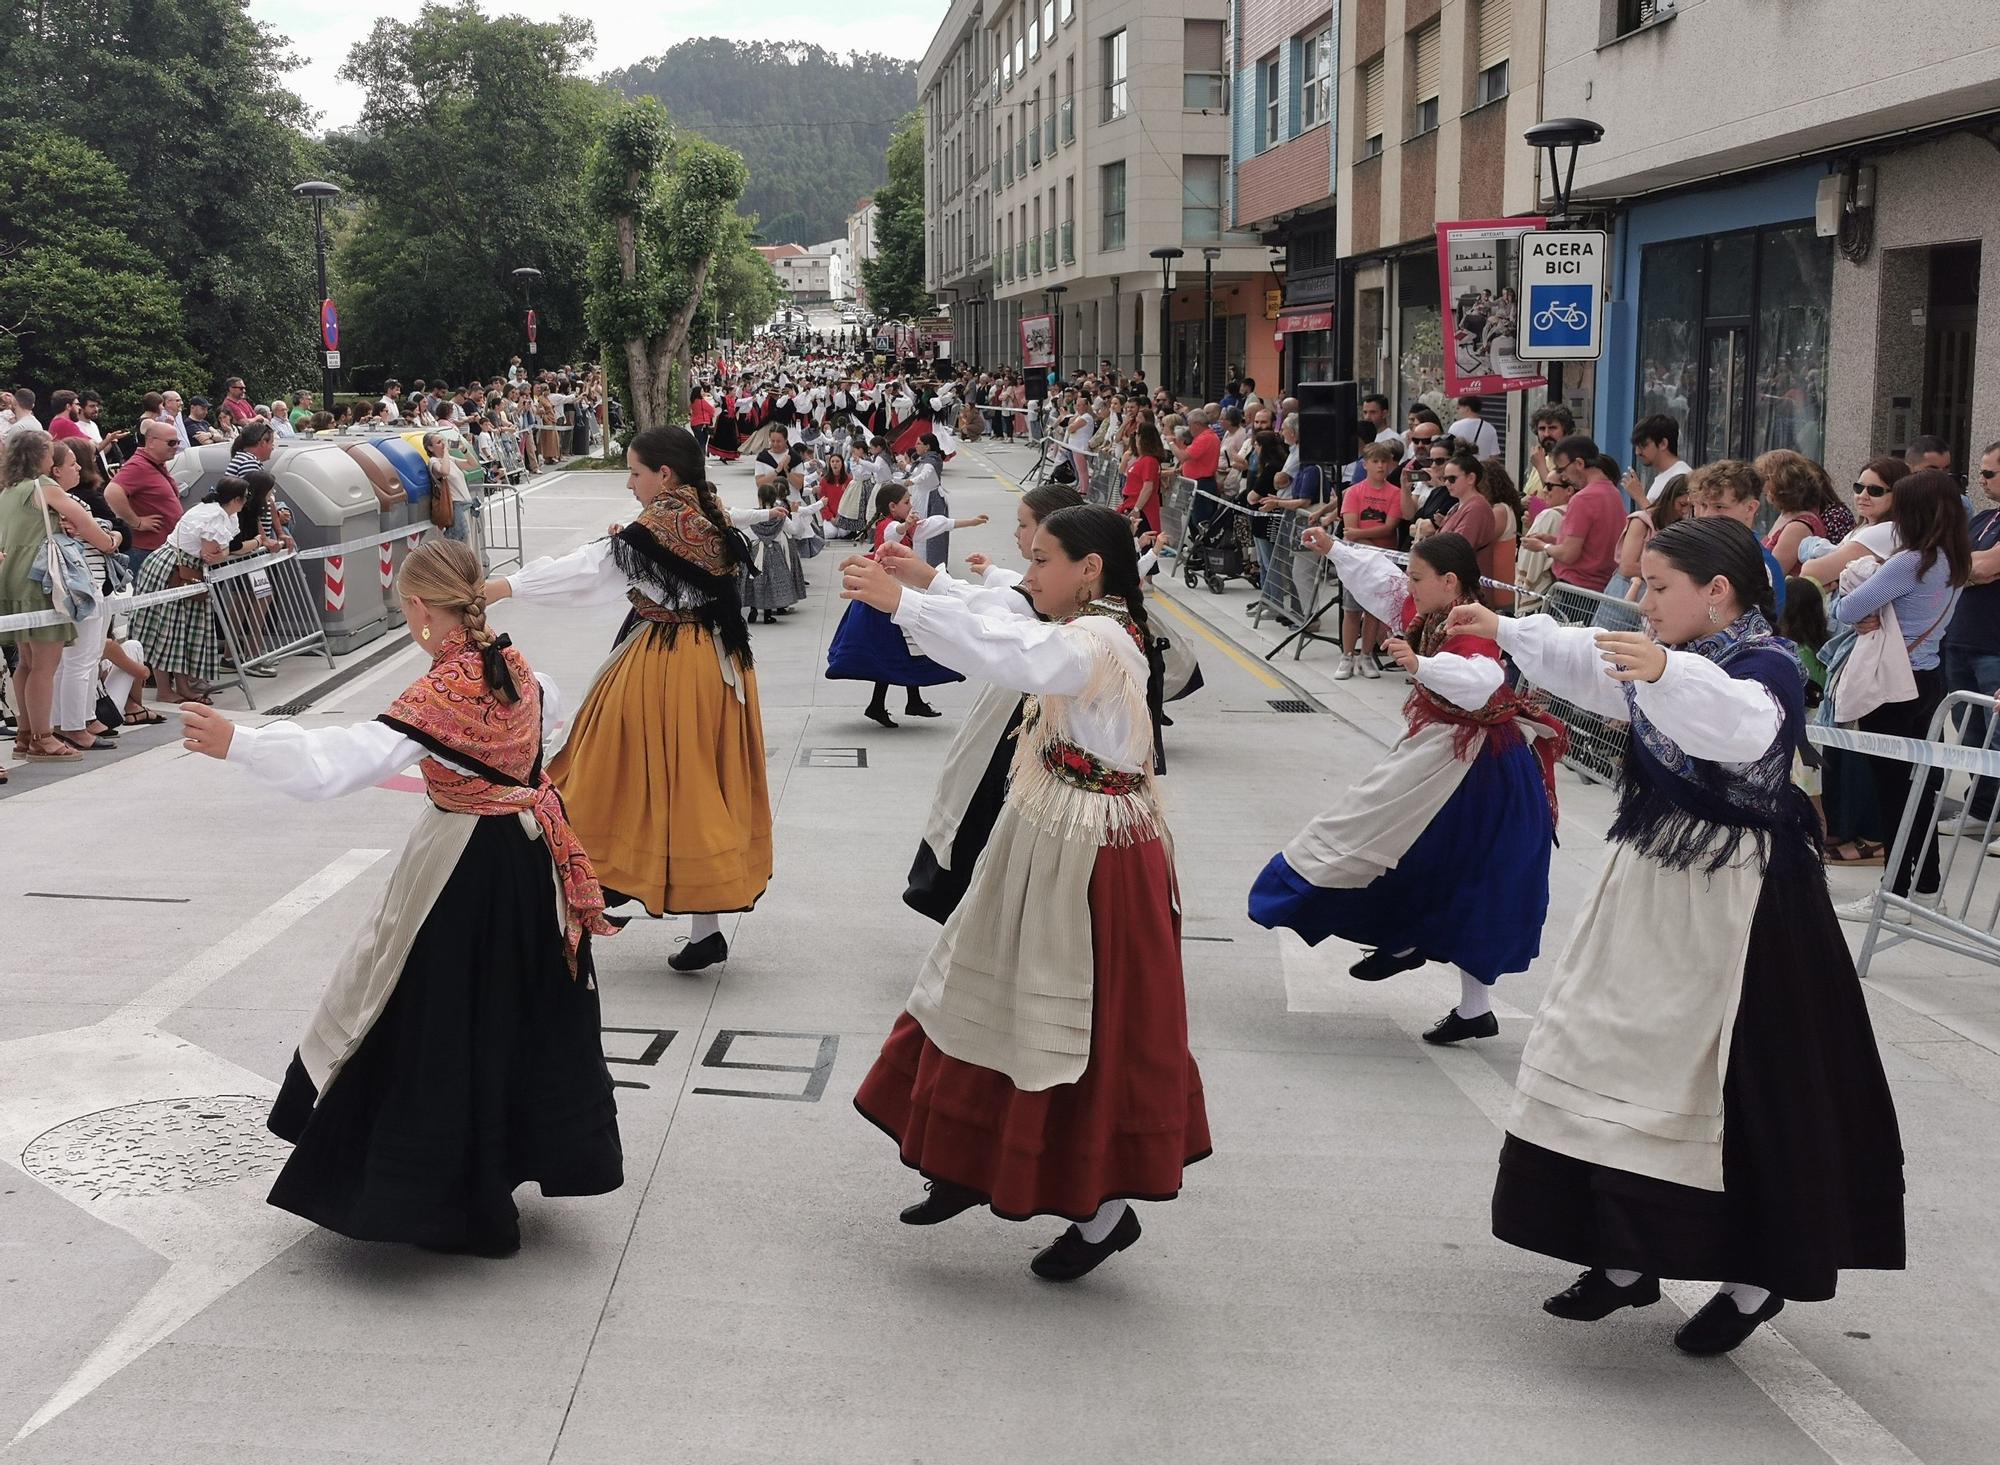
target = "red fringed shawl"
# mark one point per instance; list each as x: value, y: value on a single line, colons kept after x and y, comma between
x: 450, y: 710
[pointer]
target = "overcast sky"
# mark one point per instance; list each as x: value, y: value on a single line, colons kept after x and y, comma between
x: 321, y: 31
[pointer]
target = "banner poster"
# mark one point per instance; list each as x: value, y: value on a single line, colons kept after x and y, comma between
x: 1038, y: 343
x: 1479, y: 267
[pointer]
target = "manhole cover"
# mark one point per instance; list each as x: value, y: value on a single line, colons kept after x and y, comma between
x: 159, y: 1147
x: 1289, y: 704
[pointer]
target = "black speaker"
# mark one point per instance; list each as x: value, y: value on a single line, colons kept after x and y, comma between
x: 1035, y: 383
x: 1329, y: 421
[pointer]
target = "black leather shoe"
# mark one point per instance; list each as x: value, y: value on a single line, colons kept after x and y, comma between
x: 1451, y: 1028
x: 1721, y: 1325
x: 1594, y: 1295
x: 706, y: 952
x: 1382, y: 962
x: 921, y: 709
x: 881, y: 715
x: 1070, y: 1256
x: 946, y: 1199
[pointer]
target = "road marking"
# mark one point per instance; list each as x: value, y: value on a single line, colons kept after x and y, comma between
x: 1829, y: 1417
x: 1256, y: 669
x: 165, y: 997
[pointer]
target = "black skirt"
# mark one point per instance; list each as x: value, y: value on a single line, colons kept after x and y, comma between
x: 1812, y: 1160
x: 485, y: 1071
x: 935, y: 891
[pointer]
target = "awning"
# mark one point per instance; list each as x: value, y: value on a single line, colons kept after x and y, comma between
x: 1304, y: 320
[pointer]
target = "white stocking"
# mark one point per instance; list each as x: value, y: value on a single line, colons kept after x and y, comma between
x: 1747, y: 1298
x: 1100, y: 1225
x: 1475, y: 998
x: 1618, y: 1277
x: 705, y: 927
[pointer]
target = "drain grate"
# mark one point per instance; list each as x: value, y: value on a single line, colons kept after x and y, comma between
x: 288, y: 709
x: 1289, y: 704
x: 833, y: 758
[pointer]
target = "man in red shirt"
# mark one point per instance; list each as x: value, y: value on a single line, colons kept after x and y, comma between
x: 65, y: 416
x: 144, y: 494
x: 1587, y: 554
x: 237, y: 408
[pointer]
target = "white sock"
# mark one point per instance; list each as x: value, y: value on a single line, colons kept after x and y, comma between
x: 1747, y: 1298
x: 1100, y: 1225
x: 1475, y: 999
x: 1619, y: 1277
x: 705, y: 927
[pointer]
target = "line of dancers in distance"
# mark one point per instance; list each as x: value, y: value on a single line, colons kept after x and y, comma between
x: 1700, y: 1095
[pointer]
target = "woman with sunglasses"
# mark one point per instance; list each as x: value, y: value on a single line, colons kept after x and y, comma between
x: 1876, y: 534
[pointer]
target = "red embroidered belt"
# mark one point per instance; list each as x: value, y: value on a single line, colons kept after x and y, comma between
x: 1084, y: 770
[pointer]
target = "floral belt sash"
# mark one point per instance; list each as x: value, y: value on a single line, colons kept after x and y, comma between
x: 1084, y: 770
x: 648, y: 609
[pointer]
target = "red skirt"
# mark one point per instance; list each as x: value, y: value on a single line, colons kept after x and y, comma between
x: 1124, y: 1130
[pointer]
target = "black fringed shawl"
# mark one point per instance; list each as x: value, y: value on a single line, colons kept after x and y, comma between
x: 683, y: 570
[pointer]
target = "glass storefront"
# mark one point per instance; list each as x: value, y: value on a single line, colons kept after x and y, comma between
x: 1733, y: 340
x: 1419, y: 336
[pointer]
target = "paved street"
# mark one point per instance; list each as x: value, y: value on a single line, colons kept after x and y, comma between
x: 1325, y: 1290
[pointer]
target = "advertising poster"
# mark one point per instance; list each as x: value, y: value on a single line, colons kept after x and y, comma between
x: 1479, y: 263
x: 1038, y: 341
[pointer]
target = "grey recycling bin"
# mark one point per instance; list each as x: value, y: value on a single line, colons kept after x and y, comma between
x: 333, y: 502
x: 196, y: 470
x: 395, y: 509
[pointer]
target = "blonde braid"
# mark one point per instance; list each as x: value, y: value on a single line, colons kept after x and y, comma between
x: 475, y: 620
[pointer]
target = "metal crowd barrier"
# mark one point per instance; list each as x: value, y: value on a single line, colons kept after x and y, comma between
x: 1596, y: 744
x: 1295, y: 585
x: 498, y: 529
x: 1967, y: 916
x: 267, y: 610
x: 1174, y: 508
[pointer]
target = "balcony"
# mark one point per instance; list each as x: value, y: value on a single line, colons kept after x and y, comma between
x: 1068, y: 120
x: 1020, y: 157
x: 1035, y: 146
x: 1008, y: 170
x: 1035, y: 255
x: 1020, y: 260
x: 1069, y: 243
x: 1204, y: 91
x: 996, y: 177
x: 1049, y: 246
x: 1049, y: 136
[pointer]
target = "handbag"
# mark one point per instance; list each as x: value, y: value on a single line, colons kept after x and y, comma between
x: 61, y: 570
x: 440, y: 501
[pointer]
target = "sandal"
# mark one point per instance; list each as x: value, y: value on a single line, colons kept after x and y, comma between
x: 1857, y: 852
x: 41, y: 755
x: 97, y: 745
x: 142, y: 716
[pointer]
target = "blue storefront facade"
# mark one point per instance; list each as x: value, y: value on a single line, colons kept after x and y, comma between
x: 1720, y: 316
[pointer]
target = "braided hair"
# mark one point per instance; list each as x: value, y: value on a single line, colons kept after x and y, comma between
x: 676, y: 448
x: 445, y: 575
x: 1087, y: 529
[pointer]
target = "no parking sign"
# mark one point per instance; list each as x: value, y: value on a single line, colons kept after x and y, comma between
x: 1562, y: 295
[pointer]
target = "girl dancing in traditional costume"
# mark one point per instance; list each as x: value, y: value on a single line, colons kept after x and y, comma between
x: 663, y: 771
x: 1701, y: 1094
x: 1042, y: 1066
x: 1473, y: 771
x: 456, y: 1053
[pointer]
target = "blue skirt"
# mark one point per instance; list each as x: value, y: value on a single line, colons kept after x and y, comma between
x: 869, y: 647
x: 1472, y: 891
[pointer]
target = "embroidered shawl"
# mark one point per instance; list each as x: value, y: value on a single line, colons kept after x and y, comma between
x: 451, y: 711
x: 680, y: 560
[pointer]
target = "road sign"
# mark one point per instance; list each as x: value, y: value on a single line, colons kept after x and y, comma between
x: 333, y: 361
x: 1562, y: 295
x: 329, y: 325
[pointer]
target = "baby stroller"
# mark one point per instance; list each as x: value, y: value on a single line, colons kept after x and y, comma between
x: 1219, y: 549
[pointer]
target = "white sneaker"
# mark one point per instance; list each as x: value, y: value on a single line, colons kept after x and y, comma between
x: 1959, y: 825
x: 1860, y: 910
x: 1900, y: 917
x: 1345, y: 670
x: 1368, y: 667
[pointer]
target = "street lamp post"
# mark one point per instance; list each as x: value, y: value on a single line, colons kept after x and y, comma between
x: 319, y: 193
x: 1276, y: 267
x: 1557, y: 137
x: 1166, y: 257
x: 1209, y: 256
x: 528, y: 277
x: 1052, y: 297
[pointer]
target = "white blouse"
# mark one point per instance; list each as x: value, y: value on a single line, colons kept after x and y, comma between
x: 327, y: 762
x: 1383, y: 589
x: 995, y: 595
x: 589, y: 575
x: 1030, y: 655
x: 1705, y: 710
x: 900, y: 531
x: 205, y: 522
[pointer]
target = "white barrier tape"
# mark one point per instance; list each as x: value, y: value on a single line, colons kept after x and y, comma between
x: 348, y: 546
x: 1983, y: 762
x: 119, y: 604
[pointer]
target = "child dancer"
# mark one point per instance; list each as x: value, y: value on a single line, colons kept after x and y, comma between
x: 1473, y: 775
x: 769, y: 584
x: 1042, y: 1065
x: 866, y: 646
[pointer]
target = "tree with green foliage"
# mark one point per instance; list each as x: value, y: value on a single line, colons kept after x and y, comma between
x: 185, y: 101
x: 81, y: 305
x: 468, y: 158
x: 895, y: 276
x: 660, y: 206
x: 743, y: 290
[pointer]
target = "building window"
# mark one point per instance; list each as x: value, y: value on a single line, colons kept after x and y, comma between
x: 1492, y: 43
x: 1049, y: 21
x: 1034, y: 35
x: 1111, y: 189
x: 1068, y: 11
x: 1270, y: 102
x: 1316, y: 79
x: 1426, y: 72
x: 1204, y: 82
x: 1201, y: 200
x: 1117, y: 96
x: 1371, y: 108
x: 1632, y: 14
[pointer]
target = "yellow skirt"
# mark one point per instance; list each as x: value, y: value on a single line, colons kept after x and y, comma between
x: 663, y: 777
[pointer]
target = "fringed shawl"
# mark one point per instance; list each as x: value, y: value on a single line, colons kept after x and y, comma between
x: 451, y: 710
x: 1684, y: 811
x: 686, y: 564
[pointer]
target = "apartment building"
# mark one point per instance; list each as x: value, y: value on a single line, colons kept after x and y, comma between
x: 1800, y: 234
x: 808, y: 275
x: 1432, y: 99
x: 1102, y: 133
